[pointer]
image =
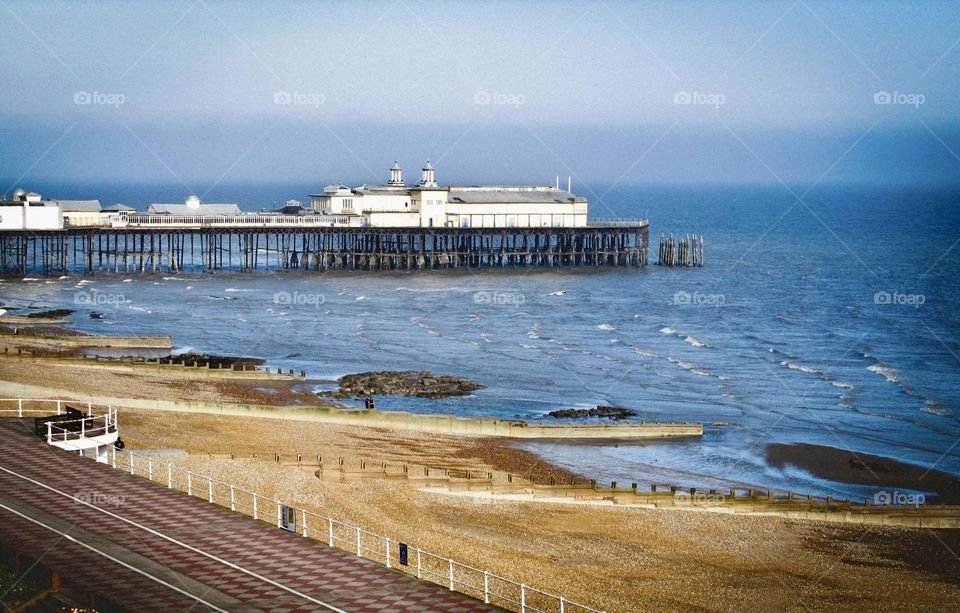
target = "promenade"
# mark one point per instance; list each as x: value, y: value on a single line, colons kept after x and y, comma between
x: 143, y: 547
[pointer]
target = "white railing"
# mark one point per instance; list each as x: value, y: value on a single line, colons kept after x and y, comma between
x: 140, y: 220
x: 453, y: 575
x: 441, y: 570
x: 617, y: 222
x: 88, y: 426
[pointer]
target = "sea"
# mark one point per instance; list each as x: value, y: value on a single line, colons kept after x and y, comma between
x: 826, y: 316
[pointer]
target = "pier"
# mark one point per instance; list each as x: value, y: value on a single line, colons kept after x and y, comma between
x: 171, y: 249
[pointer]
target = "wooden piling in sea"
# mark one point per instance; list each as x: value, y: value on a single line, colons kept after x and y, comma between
x: 684, y: 250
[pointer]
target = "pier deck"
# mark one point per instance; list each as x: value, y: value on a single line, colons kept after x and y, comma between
x: 171, y: 249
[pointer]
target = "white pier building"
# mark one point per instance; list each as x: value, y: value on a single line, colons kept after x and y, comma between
x: 429, y: 205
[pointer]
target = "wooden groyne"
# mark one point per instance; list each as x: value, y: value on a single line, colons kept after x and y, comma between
x: 170, y: 250
x: 681, y: 251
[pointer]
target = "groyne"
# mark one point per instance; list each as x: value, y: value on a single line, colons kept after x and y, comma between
x: 433, y: 424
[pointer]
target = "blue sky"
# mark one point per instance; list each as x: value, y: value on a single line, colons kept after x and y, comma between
x: 684, y: 92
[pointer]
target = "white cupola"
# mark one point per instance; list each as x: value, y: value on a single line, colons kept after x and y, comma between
x: 428, y: 179
x: 396, y: 175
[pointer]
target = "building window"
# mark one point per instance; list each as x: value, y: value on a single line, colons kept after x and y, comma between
x: 348, y: 203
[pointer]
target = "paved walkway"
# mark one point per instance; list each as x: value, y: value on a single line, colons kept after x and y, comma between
x: 147, y: 548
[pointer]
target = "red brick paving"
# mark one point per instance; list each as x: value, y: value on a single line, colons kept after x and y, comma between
x: 307, y: 566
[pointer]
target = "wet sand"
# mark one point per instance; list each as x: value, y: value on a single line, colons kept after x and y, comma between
x: 863, y: 469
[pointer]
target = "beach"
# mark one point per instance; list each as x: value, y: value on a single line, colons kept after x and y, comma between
x: 615, y: 559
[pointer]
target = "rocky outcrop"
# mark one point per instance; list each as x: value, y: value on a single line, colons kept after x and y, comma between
x: 422, y: 384
x: 600, y: 411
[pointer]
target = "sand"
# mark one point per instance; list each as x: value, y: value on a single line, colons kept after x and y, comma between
x: 617, y: 559
x: 863, y: 469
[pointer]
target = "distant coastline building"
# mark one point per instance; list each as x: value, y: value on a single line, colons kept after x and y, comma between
x: 429, y: 205
x: 29, y: 211
x: 192, y: 207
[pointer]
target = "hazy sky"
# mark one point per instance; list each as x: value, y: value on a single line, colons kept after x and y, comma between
x: 201, y: 92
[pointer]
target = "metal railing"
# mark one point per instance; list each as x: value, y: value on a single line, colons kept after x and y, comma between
x: 600, y: 222
x: 88, y: 426
x: 140, y: 220
x: 455, y: 576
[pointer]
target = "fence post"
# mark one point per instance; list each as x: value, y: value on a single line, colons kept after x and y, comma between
x: 279, y: 515
x: 19, y: 407
x: 150, y: 469
x: 233, y: 498
x: 486, y: 589
x: 49, y: 432
x: 189, y: 483
x: 359, y: 548
x: 330, y: 523
x: 451, y: 573
x: 523, y: 598
x: 418, y: 563
x: 210, y: 488
x: 83, y: 428
x: 255, y: 505
x: 169, y: 475
x: 303, y: 517
x: 130, y: 455
x: 562, y: 602
x: 388, y: 551
x: 89, y: 409
x: 58, y: 407
x: 114, y: 452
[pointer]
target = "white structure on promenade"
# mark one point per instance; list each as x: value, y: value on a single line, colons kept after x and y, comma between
x: 90, y: 430
x: 29, y: 211
x: 428, y: 205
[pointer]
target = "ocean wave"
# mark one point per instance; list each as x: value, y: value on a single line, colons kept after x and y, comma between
x: 29, y: 279
x: 694, y: 341
x: 433, y: 290
x: 667, y: 331
x: 237, y: 289
x: 127, y: 281
x: 170, y: 279
x: 801, y: 367
x: 890, y: 374
x: 934, y: 408
x: 607, y: 327
x: 360, y: 298
x: 534, y: 332
x: 843, y: 384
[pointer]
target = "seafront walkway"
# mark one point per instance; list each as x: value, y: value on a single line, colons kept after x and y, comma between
x: 143, y: 547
